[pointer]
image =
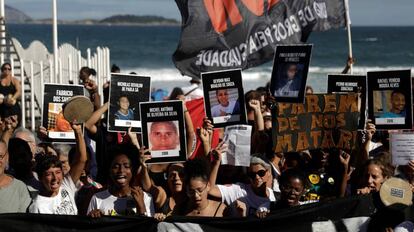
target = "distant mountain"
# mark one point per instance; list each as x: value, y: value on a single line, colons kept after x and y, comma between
x: 135, y: 19
x: 16, y: 16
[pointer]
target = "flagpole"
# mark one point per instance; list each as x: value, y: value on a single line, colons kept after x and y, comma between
x: 55, y: 39
x: 348, y: 28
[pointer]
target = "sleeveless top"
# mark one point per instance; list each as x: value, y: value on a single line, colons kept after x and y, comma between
x: 5, y: 110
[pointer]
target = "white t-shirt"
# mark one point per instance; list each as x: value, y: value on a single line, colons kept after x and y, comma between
x: 244, y: 193
x: 62, y: 203
x: 112, y: 205
x: 216, y: 110
x: 276, y: 174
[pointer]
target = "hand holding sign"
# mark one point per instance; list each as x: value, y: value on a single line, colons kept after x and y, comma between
x: 144, y: 155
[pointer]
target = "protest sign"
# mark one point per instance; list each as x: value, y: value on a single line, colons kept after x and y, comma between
x: 224, y: 97
x: 390, y: 99
x: 237, y: 138
x: 323, y: 121
x: 55, y: 95
x: 343, y: 83
x: 290, y: 71
x: 163, y: 131
x: 125, y: 93
x: 402, y: 148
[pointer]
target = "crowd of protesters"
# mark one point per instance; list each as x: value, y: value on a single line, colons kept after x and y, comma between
x: 102, y: 175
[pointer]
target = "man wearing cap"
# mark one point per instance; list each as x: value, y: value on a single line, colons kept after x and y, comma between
x: 246, y: 199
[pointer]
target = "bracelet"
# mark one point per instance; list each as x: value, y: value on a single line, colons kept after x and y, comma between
x: 185, y: 111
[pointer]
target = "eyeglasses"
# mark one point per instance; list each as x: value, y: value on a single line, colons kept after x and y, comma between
x: 193, y: 192
x: 260, y: 173
x: 3, y: 155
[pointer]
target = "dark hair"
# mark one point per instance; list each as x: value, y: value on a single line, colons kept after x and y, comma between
x: 20, y: 158
x: 397, y: 91
x: 195, y: 80
x: 125, y: 150
x: 44, y: 162
x: 175, y: 92
x: 115, y: 68
x: 123, y: 95
x: 293, y: 173
x: 308, y: 87
x: 197, y: 168
x: 386, y: 168
x: 88, y: 71
x: 4, y: 64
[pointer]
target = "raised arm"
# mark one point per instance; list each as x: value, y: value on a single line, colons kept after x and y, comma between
x: 344, y: 158
x: 206, y: 135
x: 189, y: 127
x: 90, y: 125
x: 216, y: 154
x: 78, y: 164
x: 258, y: 117
x: 158, y: 193
x: 92, y: 88
x: 8, y: 130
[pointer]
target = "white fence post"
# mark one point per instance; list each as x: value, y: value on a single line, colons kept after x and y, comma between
x: 23, y: 95
x: 42, y: 81
x: 51, y: 78
x: 60, y: 71
x: 88, y: 57
x: 12, y: 66
x: 32, y: 98
x: 70, y: 68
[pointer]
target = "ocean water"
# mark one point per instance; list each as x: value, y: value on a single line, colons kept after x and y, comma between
x: 147, y: 50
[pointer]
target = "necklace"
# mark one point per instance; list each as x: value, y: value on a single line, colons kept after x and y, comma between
x: 199, y: 211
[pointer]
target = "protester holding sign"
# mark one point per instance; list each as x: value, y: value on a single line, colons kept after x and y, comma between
x: 121, y: 197
x: 256, y: 196
x: 57, y: 195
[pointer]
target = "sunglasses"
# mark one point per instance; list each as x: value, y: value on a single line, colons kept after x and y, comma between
x: 6, y: 69
x: 260, y: 173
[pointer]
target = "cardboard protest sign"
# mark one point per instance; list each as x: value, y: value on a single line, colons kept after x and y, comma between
x: 224, y: 97
x: 55, y: 95
x: 237, y: 138
x: 402, y: 148
x: 163, y: 131
x: 290, y: 71
x: 323, y: 121
x: 125, y: 93
x: 390, y: 99
x: 343, y: 83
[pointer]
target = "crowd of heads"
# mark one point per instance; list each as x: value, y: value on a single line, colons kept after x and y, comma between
x: 109, y: 177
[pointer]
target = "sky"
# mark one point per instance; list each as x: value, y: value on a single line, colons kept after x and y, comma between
x: 363, y: 12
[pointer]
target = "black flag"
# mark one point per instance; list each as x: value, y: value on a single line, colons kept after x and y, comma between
x: 227, y: 34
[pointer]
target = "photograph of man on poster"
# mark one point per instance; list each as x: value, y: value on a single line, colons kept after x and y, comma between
x: 397, y: 102
x: 124, y: 112
x: 163, y: 136
x: 289, y: 81
x: 226, y: 105
x: 389, y: 107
